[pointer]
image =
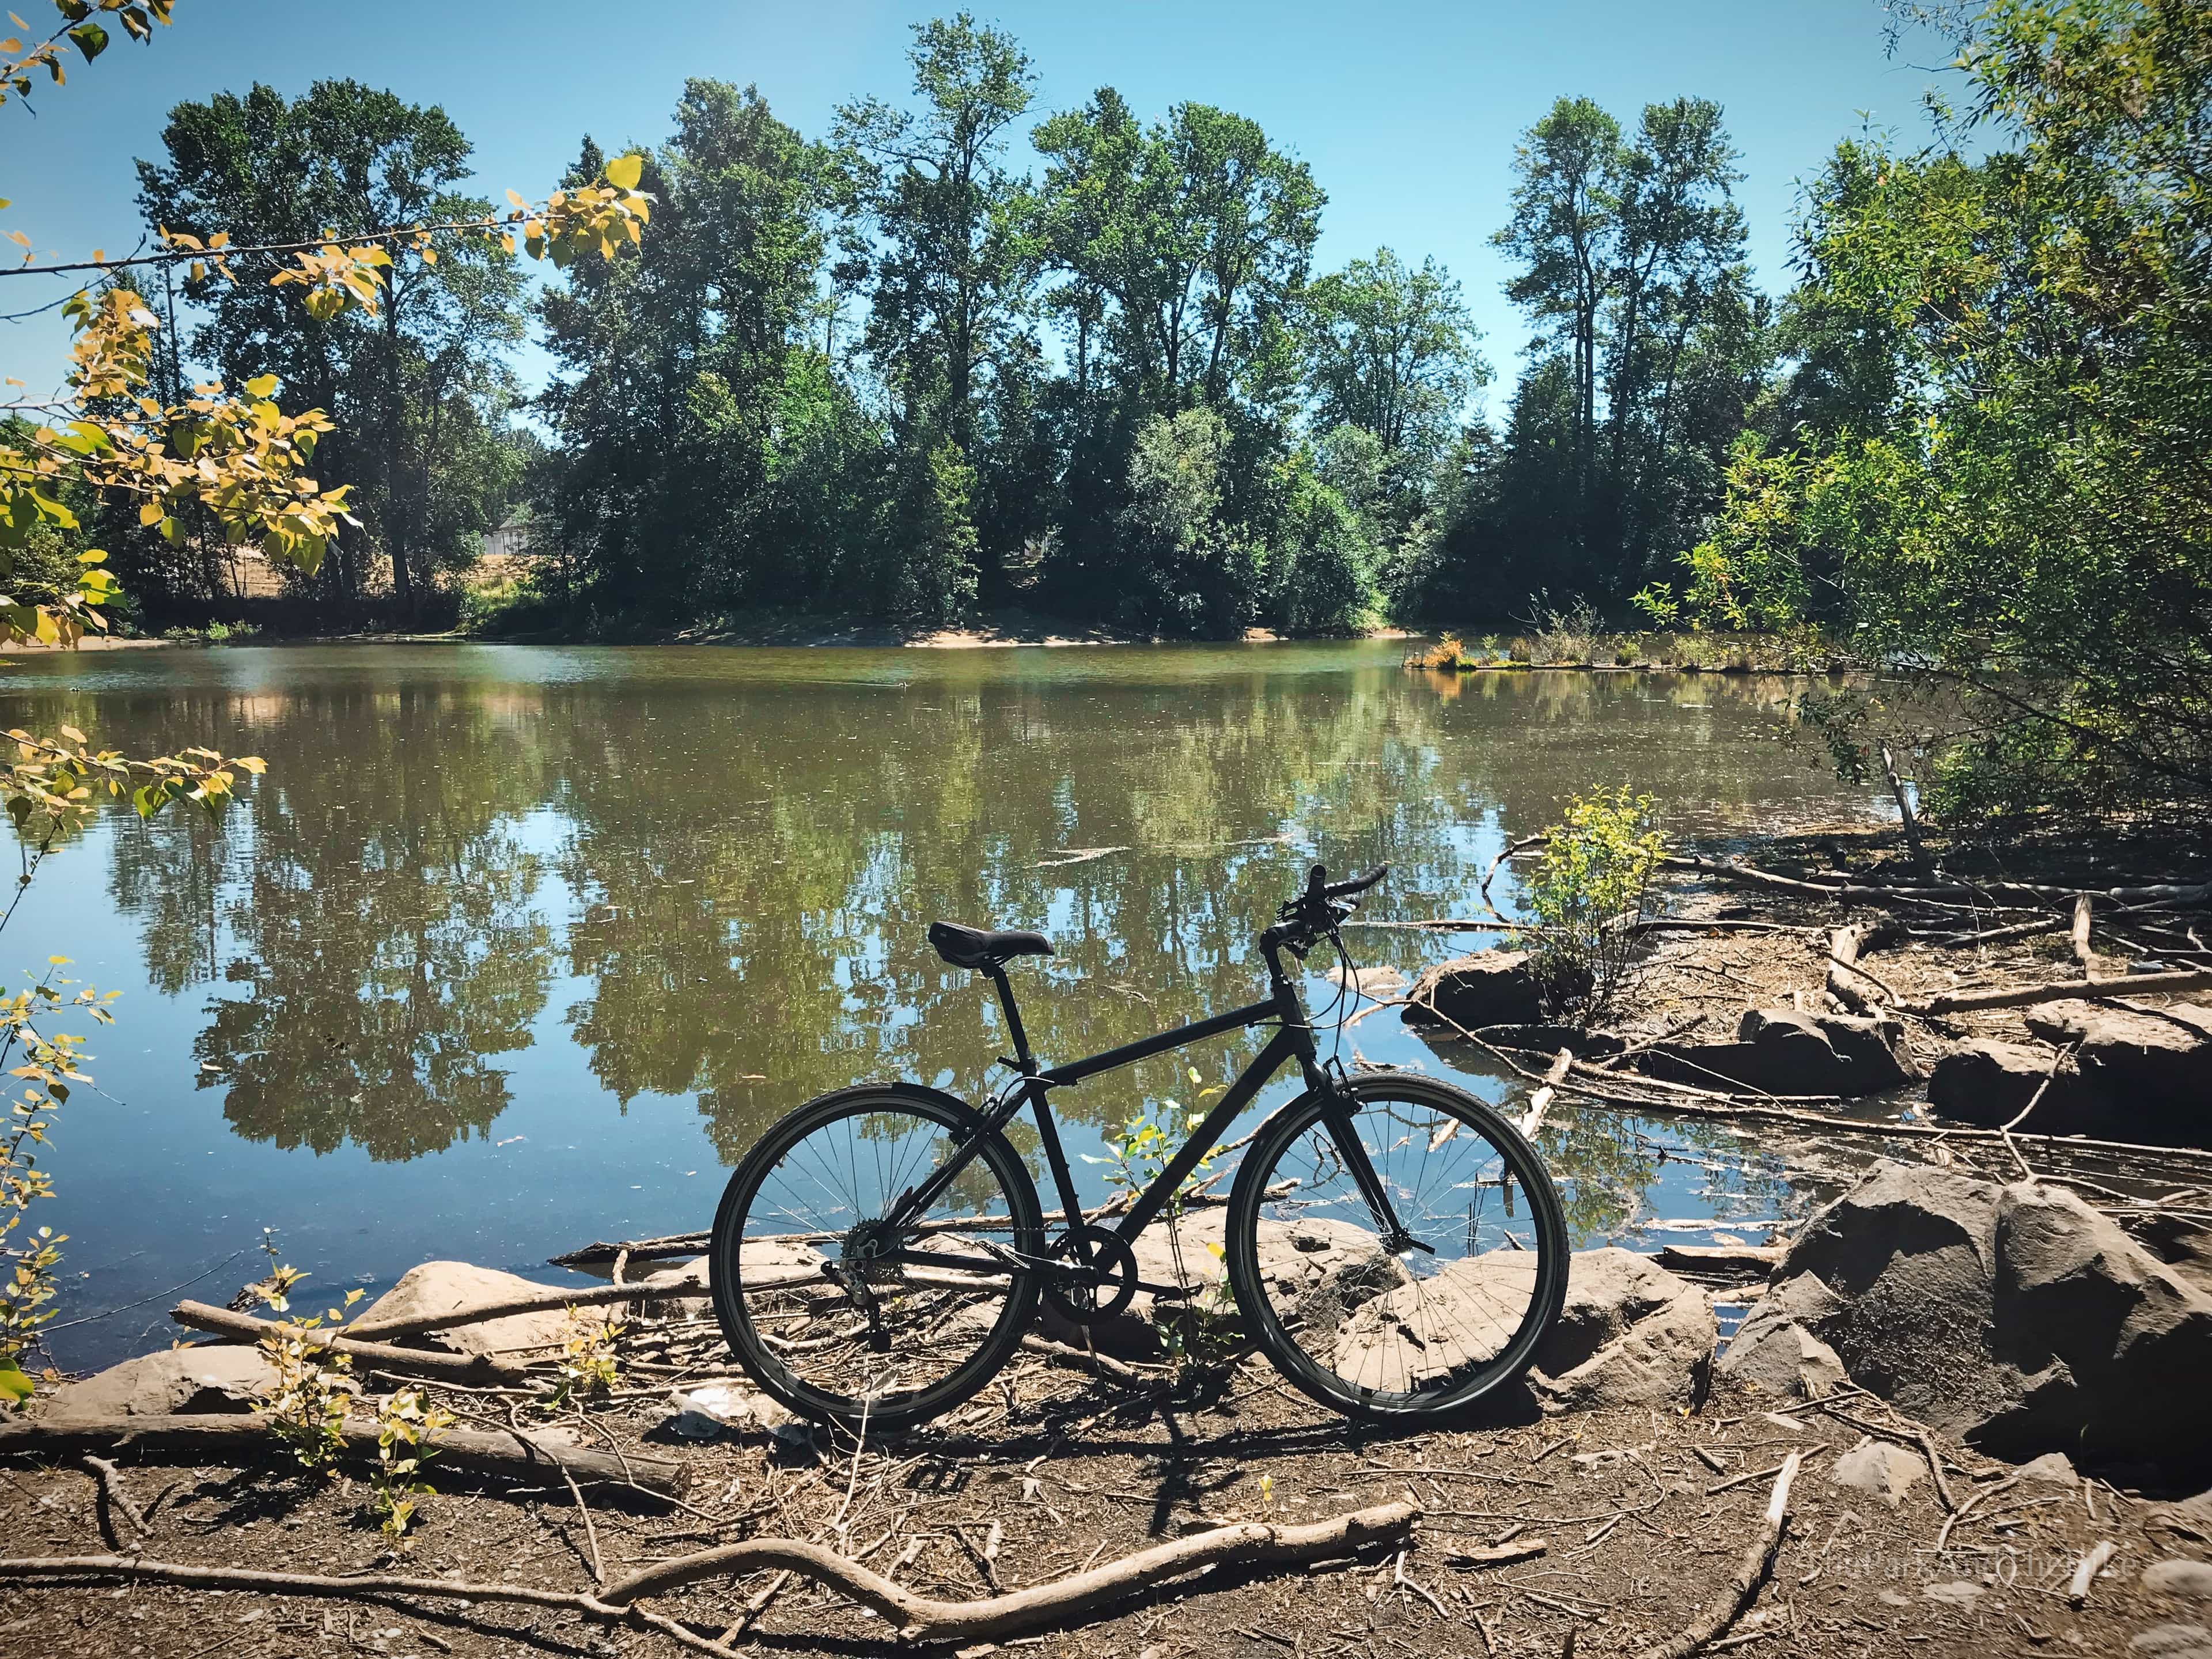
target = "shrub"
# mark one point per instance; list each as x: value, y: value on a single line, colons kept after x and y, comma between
x: 1592, y: 885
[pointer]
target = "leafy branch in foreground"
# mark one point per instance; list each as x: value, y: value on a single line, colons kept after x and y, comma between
x: 82, y: 30
x: 49, y: 788
x: 236, y: 456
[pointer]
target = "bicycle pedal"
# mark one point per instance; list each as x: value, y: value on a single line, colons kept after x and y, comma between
x: 1167, y: 1292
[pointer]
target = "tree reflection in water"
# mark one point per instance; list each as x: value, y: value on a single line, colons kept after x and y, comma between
x: 729, y: 858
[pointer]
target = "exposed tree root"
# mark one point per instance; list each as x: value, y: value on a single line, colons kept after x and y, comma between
x: 1062, y: 1602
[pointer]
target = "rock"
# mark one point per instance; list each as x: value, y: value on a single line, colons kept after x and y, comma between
x: 2016, y: 1318
x: 1380, y: 981
x: 209, y: 1378
x: 2051, y: 1469
x: 1985, y: 1083
x: 2173, y: 1642
x: 1785, y: 1359
x: 1491, y: 988
x: 705, y: 1412
x: 440, y: 1287
x: 1879, y: 1468
x: 2190, y: 1580
x: 1780, y: 1051
x: 1959, y: 1592
x: 2144, y: 1075
x: 1629, y: 1333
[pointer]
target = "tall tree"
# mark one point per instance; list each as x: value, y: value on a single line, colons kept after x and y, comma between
x: 2013, y: 509
x: 952, y: 274
x: 417, y: 385
x: 1180, y: 243
x: 1564, y: 213
x: 691, y: 381
x: 1392, y: 351
x: 1633, y: 249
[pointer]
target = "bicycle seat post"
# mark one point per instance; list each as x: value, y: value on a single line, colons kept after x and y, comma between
x: 1006, y: 991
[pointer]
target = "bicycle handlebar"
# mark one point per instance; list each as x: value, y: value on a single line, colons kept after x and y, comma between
x: 1314, y: 907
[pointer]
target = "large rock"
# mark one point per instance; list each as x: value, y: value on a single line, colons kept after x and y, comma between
x: 1780, y: 1051
x: 1307, y: 1263
x: 1780, y: 1357
x: 454, y: 1287
x: 1629, y: 1333
x: 2145, y: 1075
x: 1986, y: 1083
x: 199, y: 1379
x: 1491, y: 988
x: 2015, y: 1317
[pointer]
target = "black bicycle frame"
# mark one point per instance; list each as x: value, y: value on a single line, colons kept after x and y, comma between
x: 1294, y: 1039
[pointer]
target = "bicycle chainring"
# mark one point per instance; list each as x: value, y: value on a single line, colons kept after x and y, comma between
x: 1093, y: 1296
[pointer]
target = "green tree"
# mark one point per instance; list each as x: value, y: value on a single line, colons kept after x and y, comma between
x: 2014, y: 508
x: 689, y: 383
x: 1392, y: 351
x: 417, y: 381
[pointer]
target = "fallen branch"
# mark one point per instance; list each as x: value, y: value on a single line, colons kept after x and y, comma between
x: 1513, y: 849
x: 1098, y: 1365
x: 2086, y: 1570
x: 2024, y: 996
x: 1062, y: 1602
x: 118, y: 1497
x: 550, y: 1300
x: 242, y: 1436
x: 422, y: 1362
x: 666, y: 1248
x: 1743, y: 1589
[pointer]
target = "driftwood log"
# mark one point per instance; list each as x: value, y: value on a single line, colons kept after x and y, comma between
x: 240, y: 1437
x: 2023, y: 996
x: 419, y: 1362
x: 545, y: 1301
x: 1062, y: 1602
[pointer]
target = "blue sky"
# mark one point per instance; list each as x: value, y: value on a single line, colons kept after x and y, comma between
x: 1407, y: 110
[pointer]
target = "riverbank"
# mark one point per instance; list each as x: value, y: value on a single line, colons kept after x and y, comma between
x: 1631, y: 1494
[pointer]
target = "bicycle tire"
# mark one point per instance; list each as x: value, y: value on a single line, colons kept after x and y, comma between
x: 1402, y: 1314
x: 779, y: 1279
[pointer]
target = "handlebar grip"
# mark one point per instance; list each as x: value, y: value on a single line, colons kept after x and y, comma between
x: 1346, y: 888
x: 1317, y: 882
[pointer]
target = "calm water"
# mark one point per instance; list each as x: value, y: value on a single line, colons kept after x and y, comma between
x: 519, y: 947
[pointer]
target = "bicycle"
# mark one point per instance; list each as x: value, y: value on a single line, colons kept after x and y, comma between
x: 881, y: 1251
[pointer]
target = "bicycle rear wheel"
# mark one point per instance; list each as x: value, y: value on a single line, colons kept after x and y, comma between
x: 1376, y: 1335
x: 821, y: 1302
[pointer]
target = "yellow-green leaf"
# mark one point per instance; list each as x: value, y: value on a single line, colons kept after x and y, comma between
x: 624, y: 171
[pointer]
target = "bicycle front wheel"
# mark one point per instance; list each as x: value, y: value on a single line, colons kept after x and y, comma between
x: 845, y: 1318
x: 1430, y: 1328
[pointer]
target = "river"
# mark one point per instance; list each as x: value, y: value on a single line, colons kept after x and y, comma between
x: 517, y: 947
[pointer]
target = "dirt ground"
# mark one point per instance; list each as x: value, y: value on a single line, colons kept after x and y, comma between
x: 1641, y: 1514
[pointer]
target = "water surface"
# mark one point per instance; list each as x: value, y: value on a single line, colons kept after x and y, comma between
x: 517, y: 947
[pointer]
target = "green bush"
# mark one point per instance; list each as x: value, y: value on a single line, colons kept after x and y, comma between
x: 1590, y: 888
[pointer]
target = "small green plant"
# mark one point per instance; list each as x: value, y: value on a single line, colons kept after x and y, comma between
x: 587, y: 1368
x: 46, y: 1066
x: 406, y: 1424
x: 1150, y: 1141
x: 1590, y: 888
x: 307, y: 1408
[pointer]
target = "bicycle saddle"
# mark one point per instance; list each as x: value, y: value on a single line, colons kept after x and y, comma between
x: 982, y: 949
